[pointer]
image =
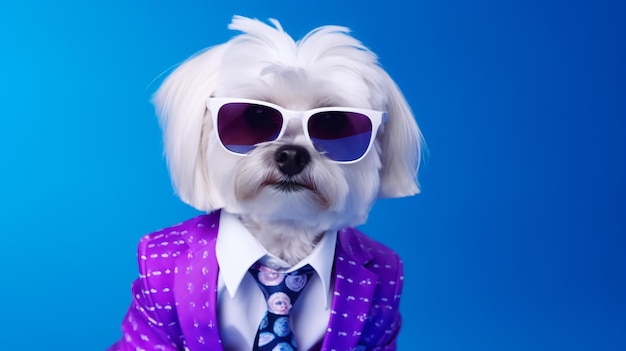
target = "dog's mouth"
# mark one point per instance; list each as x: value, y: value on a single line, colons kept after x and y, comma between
x: 289, y: 186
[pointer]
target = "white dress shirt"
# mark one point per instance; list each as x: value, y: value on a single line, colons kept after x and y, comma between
x: 241, y: 304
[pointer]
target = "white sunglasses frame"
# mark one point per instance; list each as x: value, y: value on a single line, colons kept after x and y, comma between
x: 377, y: 118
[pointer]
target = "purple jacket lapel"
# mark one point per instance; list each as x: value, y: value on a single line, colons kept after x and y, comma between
x: 353, y: 293
x: 196, y: 287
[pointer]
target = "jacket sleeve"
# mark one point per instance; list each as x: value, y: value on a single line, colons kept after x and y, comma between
x: 392, y: 335
x: 144, y: 326
x: 393, y: 328
x: 391, y: 320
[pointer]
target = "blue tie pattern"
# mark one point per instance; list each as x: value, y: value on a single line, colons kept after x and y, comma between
x: 281, y: 290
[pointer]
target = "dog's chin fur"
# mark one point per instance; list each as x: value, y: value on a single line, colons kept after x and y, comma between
x: 288, y: 215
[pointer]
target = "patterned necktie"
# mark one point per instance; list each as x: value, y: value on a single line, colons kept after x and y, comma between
x: 281, y: 291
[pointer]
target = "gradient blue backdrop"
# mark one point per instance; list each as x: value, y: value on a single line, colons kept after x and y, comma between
x: 517, y: 242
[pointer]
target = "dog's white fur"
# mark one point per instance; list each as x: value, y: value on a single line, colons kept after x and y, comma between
x: 328, y: 67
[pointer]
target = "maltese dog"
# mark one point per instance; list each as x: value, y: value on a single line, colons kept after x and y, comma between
x: 295, y: 138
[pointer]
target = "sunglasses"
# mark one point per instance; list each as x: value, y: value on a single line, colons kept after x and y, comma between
x: 343, y: 134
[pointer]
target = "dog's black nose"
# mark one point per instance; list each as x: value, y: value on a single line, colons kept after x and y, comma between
x: 291, y: 159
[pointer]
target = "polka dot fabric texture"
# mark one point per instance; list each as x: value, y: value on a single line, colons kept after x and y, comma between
x: 174, y: 300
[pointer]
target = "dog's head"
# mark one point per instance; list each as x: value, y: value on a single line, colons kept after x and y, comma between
x: 294, y: 178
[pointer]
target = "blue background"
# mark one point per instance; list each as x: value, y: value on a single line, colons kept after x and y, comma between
x: 517, y: 242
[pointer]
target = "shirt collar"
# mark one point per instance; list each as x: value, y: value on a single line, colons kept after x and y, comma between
x: 233, y: 268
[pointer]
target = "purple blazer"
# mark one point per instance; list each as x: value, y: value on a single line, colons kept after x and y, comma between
x: 174, y: 298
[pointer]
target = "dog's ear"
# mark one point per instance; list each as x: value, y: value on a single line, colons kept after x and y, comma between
x: 180, y: 104
x: 401, y: 144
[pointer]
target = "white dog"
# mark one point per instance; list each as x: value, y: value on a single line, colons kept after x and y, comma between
x: 286, y: 211
x: 286, y: 145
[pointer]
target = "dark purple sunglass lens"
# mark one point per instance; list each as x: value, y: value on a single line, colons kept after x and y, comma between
x: 342, y: 136
x: 243, y: 125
